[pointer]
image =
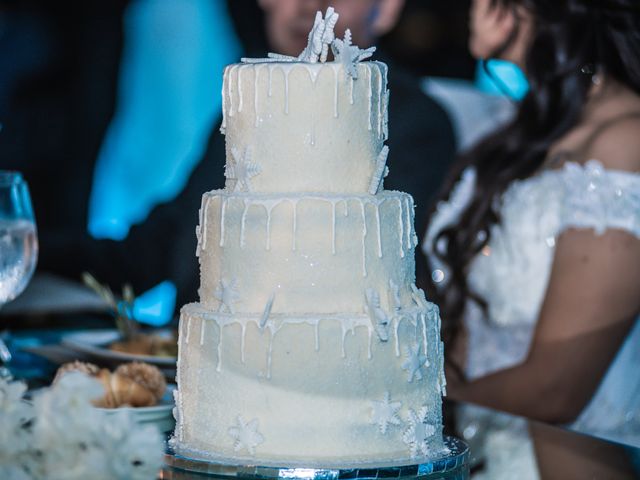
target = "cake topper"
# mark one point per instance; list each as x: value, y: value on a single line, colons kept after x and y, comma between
x: 321, y: 37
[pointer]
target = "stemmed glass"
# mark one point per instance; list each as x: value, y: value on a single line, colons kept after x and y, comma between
x: 18, y: 243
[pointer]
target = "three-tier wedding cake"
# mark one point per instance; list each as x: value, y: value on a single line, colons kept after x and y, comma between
x: 311, y: 342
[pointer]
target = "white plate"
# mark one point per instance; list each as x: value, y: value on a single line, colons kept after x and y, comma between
x: 93, y: 343
x: 160, y: 414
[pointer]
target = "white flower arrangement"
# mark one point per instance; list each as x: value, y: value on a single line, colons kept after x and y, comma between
x: 59, y: 434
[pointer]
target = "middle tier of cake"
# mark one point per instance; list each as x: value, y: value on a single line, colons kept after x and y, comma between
x: 310, y: 248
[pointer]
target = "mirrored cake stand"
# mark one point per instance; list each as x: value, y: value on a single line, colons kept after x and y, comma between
x: 451, y: 466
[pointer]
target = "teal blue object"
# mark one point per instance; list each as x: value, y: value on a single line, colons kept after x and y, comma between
x: 168, y: 103
x: 505, y: 78
x: 155, y: 306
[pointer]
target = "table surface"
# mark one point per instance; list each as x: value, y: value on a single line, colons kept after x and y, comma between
x: 501, y: 445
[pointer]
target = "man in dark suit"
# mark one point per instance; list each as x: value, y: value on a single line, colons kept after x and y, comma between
x: 420, y: 138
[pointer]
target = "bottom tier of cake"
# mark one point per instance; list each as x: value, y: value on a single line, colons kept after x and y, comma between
x: 332, y: 388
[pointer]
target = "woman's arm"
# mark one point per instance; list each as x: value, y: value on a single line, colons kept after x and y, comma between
x: 591, y: 302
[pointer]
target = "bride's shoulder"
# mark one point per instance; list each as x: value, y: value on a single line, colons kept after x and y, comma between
x: 617, y: 147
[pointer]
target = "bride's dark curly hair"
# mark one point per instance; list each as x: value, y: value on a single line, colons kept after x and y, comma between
x: 572, y: 39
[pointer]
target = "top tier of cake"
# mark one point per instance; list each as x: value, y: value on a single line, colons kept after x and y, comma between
x: 304, y: 127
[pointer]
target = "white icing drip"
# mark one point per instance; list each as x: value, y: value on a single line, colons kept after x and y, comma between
x: 396, y: 326
x: 224, y: 102
x: 230, y: 86
x: 202, y: 328
x: 255, y: 94
x: 243, y: 223
x: 219, y: 348
x: 294, y: 204
x: 333, y: 227
x: 379, y: 226
x: 346, y: 208
x: 401, y: 227
x: 423, y: 318
x: 380, y: 100
x: 369, y: 95
x: 269, y: 206
x: 286, y: 71
x: 272, y: 333
x: 408, y: 223
x: 188, y: 335
x: 364, y: 237
x: 348, y: 324
x: 240, y: 92
x: 243, y: 339
x: 223, y: 210
x: 205, y: 216
x: 351, y: 100
x: 313, y: 72
x: 335, y: 92
x: 270, y: 91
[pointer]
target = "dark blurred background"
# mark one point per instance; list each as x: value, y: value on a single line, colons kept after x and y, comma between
x: 61, y: 63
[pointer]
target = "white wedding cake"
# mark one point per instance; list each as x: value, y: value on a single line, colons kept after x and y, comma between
x: 311, y: 342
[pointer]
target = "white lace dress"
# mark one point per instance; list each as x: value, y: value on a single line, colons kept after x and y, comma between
x: 512, y: 274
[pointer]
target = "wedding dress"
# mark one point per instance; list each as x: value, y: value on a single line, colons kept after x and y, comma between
x: 512, y: 272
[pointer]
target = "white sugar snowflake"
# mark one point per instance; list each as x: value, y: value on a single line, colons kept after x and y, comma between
x: 242, y: 170
x: 384, y: 413
x: 414, y: 362
x: 227, y: 294
x: 418, y: 432
x: 246, y: 435
x: 379, y: 318
x: 349, y: 55
x: 320, y: 37
x: 380, y: 172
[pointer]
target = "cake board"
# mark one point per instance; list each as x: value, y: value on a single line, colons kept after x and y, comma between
x: 452, y: 466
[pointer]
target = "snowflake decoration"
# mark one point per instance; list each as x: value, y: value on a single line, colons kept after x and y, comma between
x: 320, y: 37
x: 242, y: 170
x: 414, y: 363
x: 380, y: 172
x: 416, y: 435
x: 377, y: 315
x: 349, y: 55
x: 385, y: 115
x: 385, y: 413
x: 227, y: 294
x: 246, y: 435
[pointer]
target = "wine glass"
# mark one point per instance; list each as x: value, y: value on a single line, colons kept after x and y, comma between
x: 18, y: 243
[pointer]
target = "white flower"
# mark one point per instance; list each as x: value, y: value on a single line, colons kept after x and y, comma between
x: 68, y: 439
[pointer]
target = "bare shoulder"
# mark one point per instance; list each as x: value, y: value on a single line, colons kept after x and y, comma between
x: 617, y: 146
